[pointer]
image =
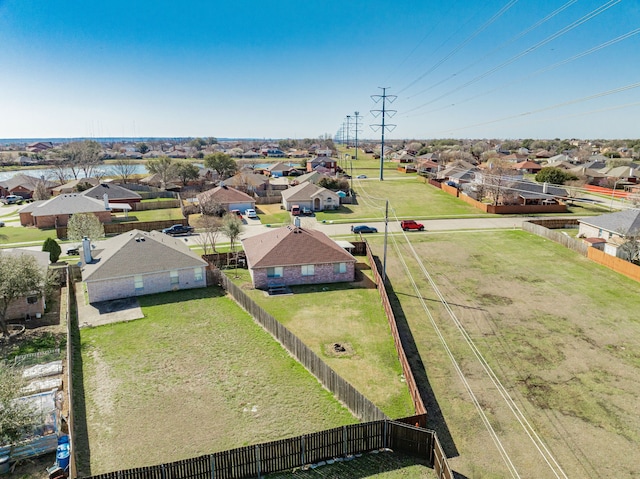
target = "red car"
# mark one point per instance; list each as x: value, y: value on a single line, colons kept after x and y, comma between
x: 411, y: 225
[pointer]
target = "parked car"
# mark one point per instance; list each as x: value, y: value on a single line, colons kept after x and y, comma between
x: 361, y: 177
x: 295, y: 210
x: 237, y: 213
x: 13, y: 199
x: 411, y: 225
x: 176, y: 230
x: 1, y: 224
x: 364, y: 229
x: 73, y: 250
x: 250, y: 213
x: 306, y: 211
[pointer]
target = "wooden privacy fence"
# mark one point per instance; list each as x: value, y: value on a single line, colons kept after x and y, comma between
x: 357, y: 403
x: 286, y: 454
x: 545, y: 228
x: 118, y: 228
x: 156, y: 205
x: 418, y: 403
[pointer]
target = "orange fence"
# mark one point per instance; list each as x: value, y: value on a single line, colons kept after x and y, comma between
x: 618, y: 265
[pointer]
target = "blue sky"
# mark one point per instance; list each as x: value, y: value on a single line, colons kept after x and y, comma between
x: 295, y: 69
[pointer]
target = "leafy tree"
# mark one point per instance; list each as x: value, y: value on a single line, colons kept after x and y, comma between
x: 186, y: 171
x: 53, y: 248
x: 555, y: 176
x: 83, y: 186
x: 232, y: 227
x: 84, y: 224
x: 334, y: 184
x: 197, y: 143
x: 222, y: 163
x: 19, y: 275
x: 18, y: 417
x: 142, y: 148
x: 163, y: 166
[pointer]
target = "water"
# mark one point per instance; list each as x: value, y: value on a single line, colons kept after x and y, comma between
x: 49, y: 173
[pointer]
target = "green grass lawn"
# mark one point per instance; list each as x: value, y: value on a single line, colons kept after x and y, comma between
x: 151, y: 215
x: 350, y: 314
x: 195, y: 376
x: 559, y: 331
x: 408, y: 198
x: 15, y: 235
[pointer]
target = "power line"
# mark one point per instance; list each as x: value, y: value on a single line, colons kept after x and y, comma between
x: 384, y: 97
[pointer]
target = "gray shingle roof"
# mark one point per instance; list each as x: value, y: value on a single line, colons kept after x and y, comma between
x: 139, y: 252
x: 622, y: 222
x: 113, y: 191
x: 66, y: 204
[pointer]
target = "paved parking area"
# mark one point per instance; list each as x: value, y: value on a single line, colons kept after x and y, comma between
x: 106, y: 312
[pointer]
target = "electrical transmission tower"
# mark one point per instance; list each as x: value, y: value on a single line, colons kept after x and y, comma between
x: 383, y: 112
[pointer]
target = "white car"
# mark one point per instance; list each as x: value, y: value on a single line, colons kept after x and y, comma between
x: 250, y: 213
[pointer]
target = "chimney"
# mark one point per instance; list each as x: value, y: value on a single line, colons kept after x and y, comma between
x: 545, y: 187
x: 86, y: 250
x: 105, y: 197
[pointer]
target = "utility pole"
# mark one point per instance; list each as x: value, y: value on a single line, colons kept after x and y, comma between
x: 384, y: 97
x: 357, y: 115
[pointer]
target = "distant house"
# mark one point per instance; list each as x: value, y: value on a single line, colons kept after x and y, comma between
x: 57, y: 210
x: 527, y: 167
x: 279, y: 169
x: 272, y: 152
x: 403, y: 157
x: 311, y: 196
x: 323, y: 162
x: 614, y: 228
x: 115, y: 193
x: 138, y: 263
x: 248, y: 182
x: 292, y: 255
x: 228, y: 198
x: 72, y: 186
x: 39, y: 146
x: 23, y: 185
x: 29, y: 305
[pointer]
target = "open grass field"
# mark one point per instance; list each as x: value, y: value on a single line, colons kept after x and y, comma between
x: 20, y: 234
x: 408, y: 198
x: 351, y: 315
x: 150, y: 215
x: 196, y: 375
x: 561, y: 333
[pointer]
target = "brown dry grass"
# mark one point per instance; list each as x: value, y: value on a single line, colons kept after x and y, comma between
x: 559, y: 331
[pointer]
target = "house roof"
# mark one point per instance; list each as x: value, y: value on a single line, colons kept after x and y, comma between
x: 247, y: 179
x: 311, y: 177
x: 527, y: 165
x: 290, y: 245
x: 26, y: 181
x: 304, y: 192
x: 225, y: 195
x: 73, y: 183
x: 113, y: 191
x: 65, y: 204
x: 528, y: 189
x: 621, y: 222
x: 42, y: 257
x: 139, y: 252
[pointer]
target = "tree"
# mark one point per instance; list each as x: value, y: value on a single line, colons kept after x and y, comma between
x: 232, y: 227
x: 20, y: 275
x: 41, y: 192
x: 574, y: 188
x: 89, y: 157
x: 163, y: 166
x: 53, y: 248
x: 630, y: 249
x: 221, y: 163
x: 209, y: 233
x: 186, y: 171
x: 142, y: 148
x: 84, y: 224
x: 124, y: 169
x: 555, y: 176
x: 197, y: 143
x: 18, y: 417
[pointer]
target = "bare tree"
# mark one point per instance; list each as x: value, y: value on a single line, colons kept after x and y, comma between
x: 210, y: 232
x: 574, y: 189
x: 89, y: 157
x: 630, y: 249
x: 124, y: 169
x: 496, y: 179
x: 209, y: 206
x: 232, y: 227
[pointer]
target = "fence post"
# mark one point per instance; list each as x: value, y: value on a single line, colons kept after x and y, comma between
x: 213, y: 466
x: 164, y: 472
x: 258, y: 459
x: 384, y: 437
x: 302, y: 451
x: 345, y: 447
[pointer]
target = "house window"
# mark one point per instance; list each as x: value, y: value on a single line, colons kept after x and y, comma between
x: 599, y: 232
x: 610, y: 234
x: 197, y: 273
x: 339, y: 268
x: 138, y: 283
x: 308, y: 270
x: 175, y: 277
x: 276, y: 272
x: 32, y: 299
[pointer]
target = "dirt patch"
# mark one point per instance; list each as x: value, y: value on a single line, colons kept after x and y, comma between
x: 339, y: 350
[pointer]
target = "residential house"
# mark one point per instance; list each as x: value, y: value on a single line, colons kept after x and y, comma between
x: 311, y: 196
x: 114, y: 193
x: 292, y: 255
x: 312, y: 177
x: 527, y: 167
x: 227, y: 197
x: 330, y: 164
x: 248, y: 182
x: 616, y: 228
x: 39, y: 146
x: 138, y: 263
x: 23, y: 185
x: 403, y: 157
x: 272, y: 152
x: 56, y: 211
x: 72, y: 186
x: 427, y: 166
x: 29, y: 305
x: 279, y: 169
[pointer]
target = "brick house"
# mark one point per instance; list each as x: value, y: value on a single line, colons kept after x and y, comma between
x: 312, y: 196
x: 56, y: 211
x: 227, y: 197
x: 614, y: 228
x: 30, y: 305
x: 115, y: 193
x: 23, y: 185
x: 139, y: 263
x: 292, y: 255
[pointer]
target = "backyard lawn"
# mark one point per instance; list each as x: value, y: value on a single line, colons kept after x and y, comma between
x: 560, y: 332
x: 195, y: 376
x: 20, y: 234
x: 150, y: 215
x: 351, y: 315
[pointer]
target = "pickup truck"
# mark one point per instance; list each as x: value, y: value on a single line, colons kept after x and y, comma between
x: 411, y: 225
x: 178, y: 230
